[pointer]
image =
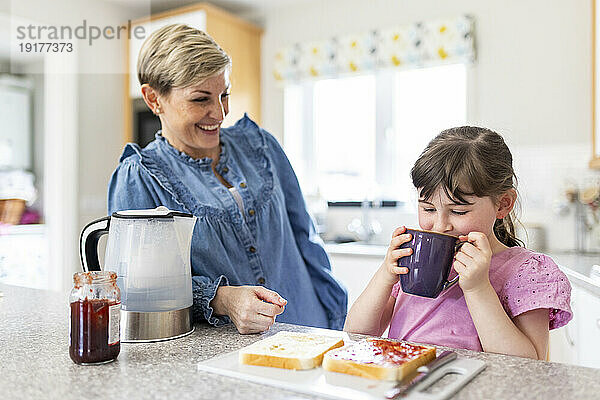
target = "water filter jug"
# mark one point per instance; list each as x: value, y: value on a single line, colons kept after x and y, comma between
x: 150, y: 252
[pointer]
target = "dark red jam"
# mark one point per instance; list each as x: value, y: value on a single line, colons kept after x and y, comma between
x: 396, y: 352
x: 381, y: 352
x: 93, y: 337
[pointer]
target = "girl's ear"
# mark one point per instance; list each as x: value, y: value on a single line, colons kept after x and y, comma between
x: 505, y: 204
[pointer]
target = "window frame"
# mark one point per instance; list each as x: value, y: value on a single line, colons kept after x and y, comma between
x: 385, y: 135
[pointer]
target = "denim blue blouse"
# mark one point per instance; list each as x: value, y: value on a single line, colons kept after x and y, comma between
x: 273, y: 245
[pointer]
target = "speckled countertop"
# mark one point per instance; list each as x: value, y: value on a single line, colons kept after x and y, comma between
x: 35, y: 363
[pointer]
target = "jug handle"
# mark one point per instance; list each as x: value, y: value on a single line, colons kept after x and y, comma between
x: 88, y: 243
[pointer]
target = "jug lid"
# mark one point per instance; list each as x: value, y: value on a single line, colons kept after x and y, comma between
x: 158, y: 212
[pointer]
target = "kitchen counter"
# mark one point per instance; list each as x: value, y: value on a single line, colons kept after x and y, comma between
x: 35, y: 363
x: 579, y: 268
x: 355, y: 248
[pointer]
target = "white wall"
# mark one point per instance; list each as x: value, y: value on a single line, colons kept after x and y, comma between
x: 98, y: 110
x: 101, y: 127
x: 531, y: 81
x: 38, y: 128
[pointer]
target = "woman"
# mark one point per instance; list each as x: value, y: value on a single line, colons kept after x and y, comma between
x: 255, y: 253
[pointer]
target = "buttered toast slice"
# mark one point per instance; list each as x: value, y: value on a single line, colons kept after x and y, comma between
x: 290, y: 350
x: 378, y: 359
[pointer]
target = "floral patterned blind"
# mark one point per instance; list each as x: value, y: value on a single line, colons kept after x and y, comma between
x: 411, y: 46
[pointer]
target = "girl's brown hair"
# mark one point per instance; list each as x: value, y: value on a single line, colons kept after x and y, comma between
x: 467, y: 161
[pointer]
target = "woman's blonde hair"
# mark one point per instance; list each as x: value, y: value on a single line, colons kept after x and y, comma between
x: 178, y: 56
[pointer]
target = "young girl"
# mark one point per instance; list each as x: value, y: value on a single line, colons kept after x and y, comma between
x: 508, y: 297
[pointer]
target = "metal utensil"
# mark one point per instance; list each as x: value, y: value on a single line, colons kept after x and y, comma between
x: 401, y: 389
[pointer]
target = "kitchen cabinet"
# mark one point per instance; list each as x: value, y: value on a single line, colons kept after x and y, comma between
x: 354, y: 271
x: 588, y: 329
x: 579, y: 341
x: 563, y: 342
x: 240, y: 39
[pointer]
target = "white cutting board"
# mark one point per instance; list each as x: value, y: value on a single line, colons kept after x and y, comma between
x: 334, y: 385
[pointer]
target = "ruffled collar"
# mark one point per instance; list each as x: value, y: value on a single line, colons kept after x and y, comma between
x: 164, y: 144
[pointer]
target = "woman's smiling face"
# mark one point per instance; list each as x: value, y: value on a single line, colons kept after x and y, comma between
x: 191, y: 117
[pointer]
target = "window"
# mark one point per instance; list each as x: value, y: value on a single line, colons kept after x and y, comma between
x: 356, y: 138
x: 344, y: 132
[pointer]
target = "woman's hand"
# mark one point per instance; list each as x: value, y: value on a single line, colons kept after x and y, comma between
x: 472, y: 262
x: 390, y: 270
x: 252, y: 309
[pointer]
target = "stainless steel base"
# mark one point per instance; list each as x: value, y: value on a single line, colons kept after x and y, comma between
x: 155, y: 326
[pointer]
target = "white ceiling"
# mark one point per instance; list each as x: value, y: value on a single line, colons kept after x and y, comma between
x: 252, y: 10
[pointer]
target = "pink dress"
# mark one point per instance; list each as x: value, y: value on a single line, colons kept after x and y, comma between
x: 524, y: 281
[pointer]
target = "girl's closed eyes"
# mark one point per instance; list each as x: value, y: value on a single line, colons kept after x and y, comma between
x: 456, y: 212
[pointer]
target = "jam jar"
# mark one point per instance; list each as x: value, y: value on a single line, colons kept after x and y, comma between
x: 95, y: 305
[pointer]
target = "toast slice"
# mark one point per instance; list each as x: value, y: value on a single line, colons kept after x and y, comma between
x: 290, y: 350
x: 378, y: 359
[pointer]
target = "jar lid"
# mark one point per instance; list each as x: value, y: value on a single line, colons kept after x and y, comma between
x: 158, y: 212
x: 92, y: 277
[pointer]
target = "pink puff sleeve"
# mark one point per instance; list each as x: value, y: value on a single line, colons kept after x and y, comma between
x: 538, y: 283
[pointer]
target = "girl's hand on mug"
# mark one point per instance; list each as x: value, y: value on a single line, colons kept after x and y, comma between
x: 390, y: 269
x: 472, y: 262
x: 252, y: 309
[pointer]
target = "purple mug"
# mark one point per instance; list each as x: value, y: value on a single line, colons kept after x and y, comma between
x: 429, y: 264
